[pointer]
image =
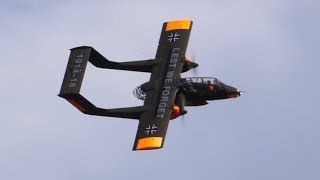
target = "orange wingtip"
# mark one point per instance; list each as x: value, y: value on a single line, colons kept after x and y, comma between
x: 78, y: 106
x: 188, y: 59
x: 149, y: 143
x: 180, y: 24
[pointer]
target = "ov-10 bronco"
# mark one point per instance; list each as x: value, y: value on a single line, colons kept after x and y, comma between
x: 165, y: 95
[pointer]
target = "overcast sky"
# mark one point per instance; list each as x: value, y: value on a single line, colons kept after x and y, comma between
x: 269, y: 48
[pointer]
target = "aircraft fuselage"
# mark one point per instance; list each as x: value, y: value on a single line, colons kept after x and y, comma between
x: 199, y: 90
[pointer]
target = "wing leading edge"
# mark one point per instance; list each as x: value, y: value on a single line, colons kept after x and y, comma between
x: 160, y: 97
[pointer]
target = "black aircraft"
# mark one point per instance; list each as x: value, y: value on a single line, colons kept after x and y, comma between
x: 165, y: 95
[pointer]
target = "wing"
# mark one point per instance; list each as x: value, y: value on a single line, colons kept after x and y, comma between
x: 161, y: 91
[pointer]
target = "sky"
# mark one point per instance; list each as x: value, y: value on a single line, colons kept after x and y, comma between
x: 268, y: 48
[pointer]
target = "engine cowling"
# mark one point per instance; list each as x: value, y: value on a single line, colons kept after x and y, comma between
x: 175, y: 113
x: 178, y: 109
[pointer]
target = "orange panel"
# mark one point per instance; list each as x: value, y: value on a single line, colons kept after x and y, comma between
x: 149, y: 143
x: 181, y: 24
x: 75, y: 104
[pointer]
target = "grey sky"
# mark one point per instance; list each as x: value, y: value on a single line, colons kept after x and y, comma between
x: 268, y: 48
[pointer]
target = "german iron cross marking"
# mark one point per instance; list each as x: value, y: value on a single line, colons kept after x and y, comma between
x: 151, y: 129
x: 173, y: 37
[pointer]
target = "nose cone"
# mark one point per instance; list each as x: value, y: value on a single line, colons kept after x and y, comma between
x: 195, y: 65
x: 192, y: 65
x: 239, y: 92
x: 232, y: 92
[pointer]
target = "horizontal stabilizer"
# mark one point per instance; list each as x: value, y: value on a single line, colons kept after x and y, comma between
x: 101, y: 62
x: 85, y: 106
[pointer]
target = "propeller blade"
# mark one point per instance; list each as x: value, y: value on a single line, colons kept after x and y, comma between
x: 195, y: 65
x: 181, y: 100
x: 195, y: 72
x: 183, y: 121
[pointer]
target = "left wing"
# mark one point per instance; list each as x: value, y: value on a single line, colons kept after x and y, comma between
x: 161, y: 89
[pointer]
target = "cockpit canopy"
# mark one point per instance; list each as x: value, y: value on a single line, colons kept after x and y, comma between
x: 200, y: 80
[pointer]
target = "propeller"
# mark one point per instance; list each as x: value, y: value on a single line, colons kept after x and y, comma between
x: 192, y: 65
x: 183, y: 121
x: 243, y: 92
x: 181, y: 100
x: 195, y: 71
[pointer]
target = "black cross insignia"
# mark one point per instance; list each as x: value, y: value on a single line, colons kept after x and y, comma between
x: 151, y: 129
x: 173, y: 37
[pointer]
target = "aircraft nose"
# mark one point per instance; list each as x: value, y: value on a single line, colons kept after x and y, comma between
x: 233, y: 92
x: 239, y: 92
